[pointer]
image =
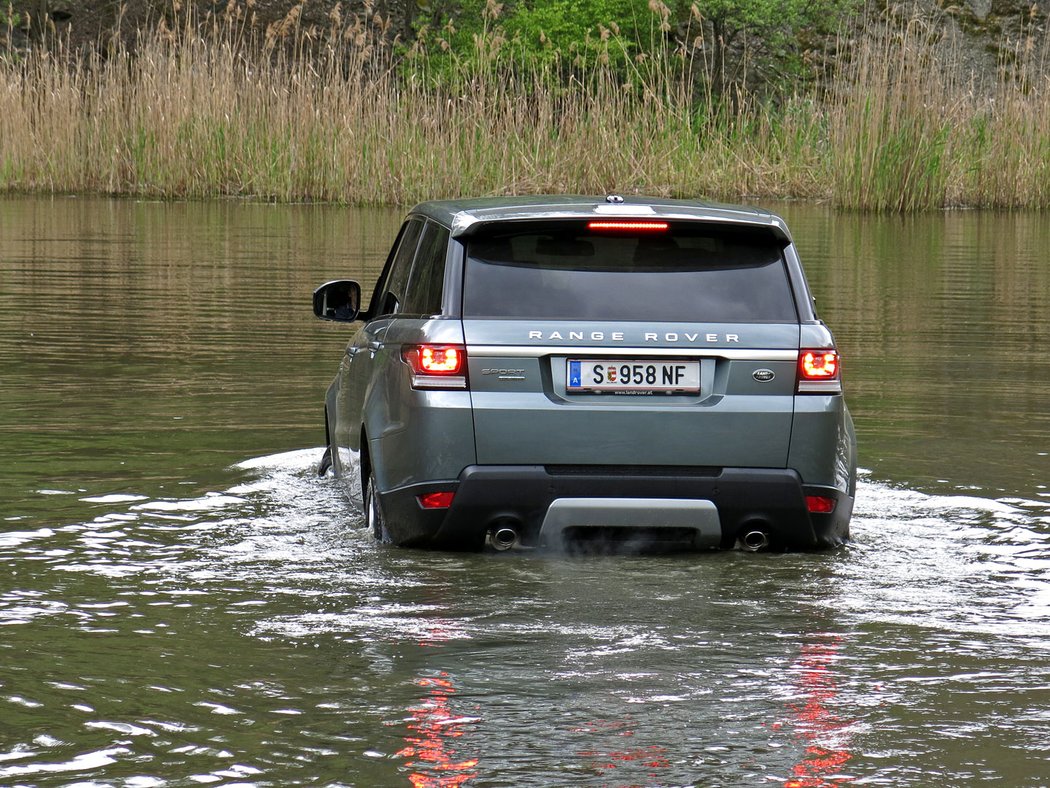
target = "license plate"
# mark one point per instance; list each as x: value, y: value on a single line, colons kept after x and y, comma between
x: 632, y: 376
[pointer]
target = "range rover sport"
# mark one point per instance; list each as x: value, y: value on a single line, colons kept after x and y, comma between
x: 540, y: 369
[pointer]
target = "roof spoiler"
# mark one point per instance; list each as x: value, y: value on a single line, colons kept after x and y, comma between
x: 466, y: 224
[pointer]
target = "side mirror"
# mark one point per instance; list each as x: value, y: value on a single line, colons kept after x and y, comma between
x: 339, y: 300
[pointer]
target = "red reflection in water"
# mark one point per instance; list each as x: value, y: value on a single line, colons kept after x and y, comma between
x: 433, y: 730
x: 824, y: 732
x: 654, y: 756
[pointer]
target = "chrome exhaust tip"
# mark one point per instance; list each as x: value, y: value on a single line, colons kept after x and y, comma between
x: 755, y: 540
x: 504, y: 538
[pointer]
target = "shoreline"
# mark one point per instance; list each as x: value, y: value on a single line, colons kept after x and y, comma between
x: 217, y: 114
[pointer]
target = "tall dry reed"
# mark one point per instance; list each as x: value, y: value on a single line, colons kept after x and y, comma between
x: 889, y: 122
x: 909, y: 130
x: 221, y: 108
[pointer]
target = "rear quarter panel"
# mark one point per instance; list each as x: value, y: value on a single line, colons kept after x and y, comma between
x: 416, y: 435
x: 823, y: 444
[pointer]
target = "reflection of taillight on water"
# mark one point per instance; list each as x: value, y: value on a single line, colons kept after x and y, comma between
x: 817, y: 725
x: 654, y: 756
x: 433, y: 729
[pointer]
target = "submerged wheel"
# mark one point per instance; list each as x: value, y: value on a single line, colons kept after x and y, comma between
x: 326, y: 462
x: 374, y: 512
x: 330, y: 456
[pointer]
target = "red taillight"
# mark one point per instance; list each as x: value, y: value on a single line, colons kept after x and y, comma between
x: 819, y: 371
x: 818, y: 364
x: 820, y: 504
x: 434, y: 359
x: 436, y: 366
x: 627, y: 227
x: 436, y: 500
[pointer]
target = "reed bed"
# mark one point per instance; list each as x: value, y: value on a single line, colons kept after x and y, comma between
x: 218, y: 108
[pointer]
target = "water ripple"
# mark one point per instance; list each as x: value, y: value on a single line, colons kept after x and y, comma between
x: 264, y: 603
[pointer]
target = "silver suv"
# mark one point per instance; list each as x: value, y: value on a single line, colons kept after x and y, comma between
x: 543, y: 370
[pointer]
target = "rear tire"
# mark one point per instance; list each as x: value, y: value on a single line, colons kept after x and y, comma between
x: 330, y: 456
x: 326, y: 462
x: 374, y: 512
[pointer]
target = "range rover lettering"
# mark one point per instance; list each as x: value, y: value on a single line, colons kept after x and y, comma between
x: 535, y: 370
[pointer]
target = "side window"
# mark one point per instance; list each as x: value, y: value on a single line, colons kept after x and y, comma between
x: 424, y: 289
x: 392, y: 298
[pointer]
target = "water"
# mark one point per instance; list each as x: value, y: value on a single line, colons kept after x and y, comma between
x: 182, y: 601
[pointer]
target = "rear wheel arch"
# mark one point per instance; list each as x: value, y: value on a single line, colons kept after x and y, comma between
x: 327, y: 461
x: 366, y: 464
x: 373, y: 507
x: 327, y: 429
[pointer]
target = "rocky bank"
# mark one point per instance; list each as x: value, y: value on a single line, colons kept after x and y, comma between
x: 985, y: 37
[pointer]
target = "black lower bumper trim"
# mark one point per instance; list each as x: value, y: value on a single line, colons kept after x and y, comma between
x: 488, y: 496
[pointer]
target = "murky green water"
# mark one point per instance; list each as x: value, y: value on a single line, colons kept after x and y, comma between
x: 183, y: 602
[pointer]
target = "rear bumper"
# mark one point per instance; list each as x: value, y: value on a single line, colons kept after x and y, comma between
x: 520, y: 496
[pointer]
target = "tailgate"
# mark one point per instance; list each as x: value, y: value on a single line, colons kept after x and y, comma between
x: 716, y: 395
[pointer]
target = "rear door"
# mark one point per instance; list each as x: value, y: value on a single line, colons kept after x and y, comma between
x: 630, y: 345
x: 367, y: 351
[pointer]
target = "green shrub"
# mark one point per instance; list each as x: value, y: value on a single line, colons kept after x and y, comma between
x: 729, y: 43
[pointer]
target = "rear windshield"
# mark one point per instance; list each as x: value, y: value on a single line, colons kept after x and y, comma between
x: 687, y: 273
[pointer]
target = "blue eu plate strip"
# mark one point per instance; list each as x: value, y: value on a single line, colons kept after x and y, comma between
x: 574, y: 375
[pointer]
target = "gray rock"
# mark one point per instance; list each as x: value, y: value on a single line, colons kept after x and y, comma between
x: 980, y: 8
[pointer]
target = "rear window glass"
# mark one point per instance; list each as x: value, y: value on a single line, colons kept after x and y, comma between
x: 688, y: 273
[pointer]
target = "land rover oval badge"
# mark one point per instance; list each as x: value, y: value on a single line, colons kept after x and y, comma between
x: 763, y: 375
